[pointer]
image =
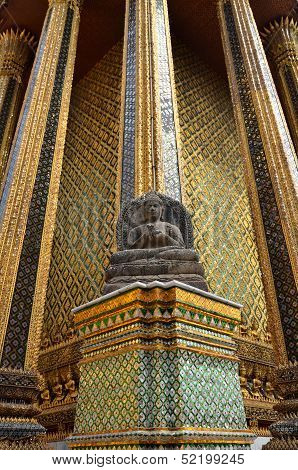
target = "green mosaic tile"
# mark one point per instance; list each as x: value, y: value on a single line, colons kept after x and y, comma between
x: 144, y: 389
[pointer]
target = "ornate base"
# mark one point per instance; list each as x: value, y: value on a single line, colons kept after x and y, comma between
x: 282, y: 443
x: 163, y: 358
x: 18, y: 407
x: 164, y: 439
x: 37, y: 443
x: 159, y: 264
x: 285, y: 431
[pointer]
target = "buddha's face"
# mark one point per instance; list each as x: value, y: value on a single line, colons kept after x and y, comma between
x: 152, y: 211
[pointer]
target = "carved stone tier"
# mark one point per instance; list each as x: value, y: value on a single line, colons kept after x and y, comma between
x: 58, y: 365
x: 159, y: 369
x: 18, y: 407
x: 285, y: 431
x: 156, y: 264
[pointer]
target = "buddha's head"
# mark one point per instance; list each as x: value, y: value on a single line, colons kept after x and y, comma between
x: 153, y: 208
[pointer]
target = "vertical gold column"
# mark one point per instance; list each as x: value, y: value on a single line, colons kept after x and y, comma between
x: 270, y: 163
x: 280, y: 40
x: 271, y: 172
x: 146, y: 145
x: 149, y: 146
x: 28, y: 208
x: 278, y: 146
x: 15, y: 53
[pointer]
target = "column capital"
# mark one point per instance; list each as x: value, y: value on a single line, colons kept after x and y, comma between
x: 15, y: 48
x: 280, y: 38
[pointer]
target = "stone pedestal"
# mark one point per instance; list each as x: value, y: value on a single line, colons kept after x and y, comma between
x: 19, y: 428
x: 159, y: 370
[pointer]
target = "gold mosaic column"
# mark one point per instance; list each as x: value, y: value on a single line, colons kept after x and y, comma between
x: 270, y: 163
x: 281, y: 42
x: 15, y: 52
x: 271, y: 169
x: 28, y: 206
x: 149, y: 147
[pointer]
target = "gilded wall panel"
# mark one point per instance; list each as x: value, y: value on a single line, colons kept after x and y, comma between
x: 84, y: 232
x: 215, y: 191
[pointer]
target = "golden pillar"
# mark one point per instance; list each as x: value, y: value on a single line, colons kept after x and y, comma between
x: 27, y: 213
x: 15, y: 52
x: 270, y: 163
x: 281, y: 42
x: 149, y: 145
x: 271, y: 172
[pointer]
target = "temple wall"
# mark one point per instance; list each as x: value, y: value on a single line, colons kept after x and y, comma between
x: 84, y: 232
x: 214, y: 190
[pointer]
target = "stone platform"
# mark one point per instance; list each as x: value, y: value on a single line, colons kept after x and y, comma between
x: 159, y: 370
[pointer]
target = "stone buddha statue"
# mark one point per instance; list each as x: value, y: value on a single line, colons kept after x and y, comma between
x: 155, y: 242
x: 154, y: 233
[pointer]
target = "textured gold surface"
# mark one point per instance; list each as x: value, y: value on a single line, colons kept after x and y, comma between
x: 270, y: 293
x: 26, y: 151
x: 174, y: 296
x: 158, y: 319
x: 37, y: 318
x: 135, y: 444
x: 144, y: 179
x: 18, y: 202
x: 15, y: 48
x: 84, y: 233
x: 72, y: 3
x: 214, y: 186
x: 280, y: 153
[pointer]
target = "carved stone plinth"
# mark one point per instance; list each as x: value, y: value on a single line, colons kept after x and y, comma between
x: 285, y: 431
x: 159, y: 370
x: 160, y: 264
x: 19, y: 428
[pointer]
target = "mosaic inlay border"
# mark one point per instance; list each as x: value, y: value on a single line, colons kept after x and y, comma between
x: 128, y: 153
x: 168, y: 135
